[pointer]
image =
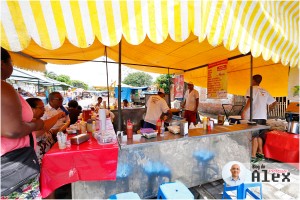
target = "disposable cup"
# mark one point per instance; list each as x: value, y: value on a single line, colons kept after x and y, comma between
x: 62, y: 145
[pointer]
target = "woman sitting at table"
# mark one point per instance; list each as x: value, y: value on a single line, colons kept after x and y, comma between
x: 44, y: 137
x: 74, y: 112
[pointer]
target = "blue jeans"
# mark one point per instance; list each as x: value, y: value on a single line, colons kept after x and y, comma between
x: 149, y: 125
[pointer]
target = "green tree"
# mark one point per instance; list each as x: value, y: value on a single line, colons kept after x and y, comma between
x: 64, y: 78
x: 80, y: 84
x: 164, y: 81
x: 51, y: 75
x: 138, y: 79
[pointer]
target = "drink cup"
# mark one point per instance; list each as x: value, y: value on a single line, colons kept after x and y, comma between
x: 61, y: 139
x: 61, y: 145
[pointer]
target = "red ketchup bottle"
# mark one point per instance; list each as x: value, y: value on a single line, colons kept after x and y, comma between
x: 158, y: 125
x: 129, y: 129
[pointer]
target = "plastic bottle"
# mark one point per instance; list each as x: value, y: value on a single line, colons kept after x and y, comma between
x: 94, y: 127
x: 129, y: 129
x: 204, y: 123
x: 162, y: 128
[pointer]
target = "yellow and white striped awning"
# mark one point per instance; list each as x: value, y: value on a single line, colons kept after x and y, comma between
x: 178, y: 34
x: 270, y: 28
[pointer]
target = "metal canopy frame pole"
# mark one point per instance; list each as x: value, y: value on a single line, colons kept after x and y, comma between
x: 169, y: 87
x: 251, y: 87
x: 38, y: 86
x: 107, y: 86
x: 119, y: 89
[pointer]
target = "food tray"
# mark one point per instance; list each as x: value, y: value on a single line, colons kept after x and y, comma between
x: 71, y: 131
x: 147, y: 130
x: 105, y: 139
x: 78, y: 139
x: 149, y: 135
x: 174, y: 129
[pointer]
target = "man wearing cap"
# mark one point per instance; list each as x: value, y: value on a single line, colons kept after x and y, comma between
x: 191, y: 102
x: 156, y: 105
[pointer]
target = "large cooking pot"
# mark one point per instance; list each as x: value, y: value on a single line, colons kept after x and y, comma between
x: 294, y: 127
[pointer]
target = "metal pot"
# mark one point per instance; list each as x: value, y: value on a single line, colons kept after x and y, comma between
x: 294, y: 127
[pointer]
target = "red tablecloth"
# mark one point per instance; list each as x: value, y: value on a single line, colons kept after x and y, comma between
x: 88, y: 161
x: 282, y: 146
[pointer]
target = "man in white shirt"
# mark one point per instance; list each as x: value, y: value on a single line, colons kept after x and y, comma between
x: 191, y: 102
x: 156, y: 105
x: 53, y: 108
x: 261, y: 99
x: 234, y: 179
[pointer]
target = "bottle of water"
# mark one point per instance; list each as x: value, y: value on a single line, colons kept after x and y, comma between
x: 162, y: 129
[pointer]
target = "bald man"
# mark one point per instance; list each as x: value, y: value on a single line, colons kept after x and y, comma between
x: 234, y: 179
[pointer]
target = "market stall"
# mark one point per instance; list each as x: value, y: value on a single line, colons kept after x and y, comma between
x: 179, y: 37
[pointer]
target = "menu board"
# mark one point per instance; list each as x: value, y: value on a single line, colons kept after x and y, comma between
x: 217, y: 80
x: 178, y: 86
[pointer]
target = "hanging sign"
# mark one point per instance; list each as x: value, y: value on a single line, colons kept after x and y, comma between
x: 217, y: 80
x: 178, y: 86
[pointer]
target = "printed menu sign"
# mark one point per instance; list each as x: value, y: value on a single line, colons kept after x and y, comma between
x: 178, y: 86
x: 217, y: 80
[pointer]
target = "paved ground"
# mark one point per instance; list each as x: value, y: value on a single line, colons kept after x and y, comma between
x: 271, y: 190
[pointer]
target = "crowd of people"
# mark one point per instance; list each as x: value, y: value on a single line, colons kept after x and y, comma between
x: 26, y: 119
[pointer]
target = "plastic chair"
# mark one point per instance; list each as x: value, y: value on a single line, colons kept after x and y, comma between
x: 156, y: 170
x: 244, y: 189
x: 126, y: 195
x: 226, y: 189
x: 176, y: 190
x: 203, y: 158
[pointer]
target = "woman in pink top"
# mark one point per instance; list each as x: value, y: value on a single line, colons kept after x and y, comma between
x: 16, y: 126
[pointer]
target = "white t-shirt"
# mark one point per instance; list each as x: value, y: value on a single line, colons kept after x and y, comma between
x: 190, y: 99
x: 155, y: 107
x: 261, y: 98
x: 50, y: 112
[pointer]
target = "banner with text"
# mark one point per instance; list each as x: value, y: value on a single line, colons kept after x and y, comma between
x: 217, y: 80
x: 178, y: 86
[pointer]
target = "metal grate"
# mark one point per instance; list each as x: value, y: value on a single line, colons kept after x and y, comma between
x: 279, y: 110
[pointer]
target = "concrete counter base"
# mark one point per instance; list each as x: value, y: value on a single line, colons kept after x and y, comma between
x: 143, y: 164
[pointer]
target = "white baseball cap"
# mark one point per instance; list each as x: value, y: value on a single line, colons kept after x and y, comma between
x: 161, y: 90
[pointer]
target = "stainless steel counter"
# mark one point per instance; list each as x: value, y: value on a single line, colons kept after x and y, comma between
x: 143, y: 164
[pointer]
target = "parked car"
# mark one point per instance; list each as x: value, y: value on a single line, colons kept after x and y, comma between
x: 104, y: 93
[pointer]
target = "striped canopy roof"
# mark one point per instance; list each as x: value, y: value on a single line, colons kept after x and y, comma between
x: 179, y: 35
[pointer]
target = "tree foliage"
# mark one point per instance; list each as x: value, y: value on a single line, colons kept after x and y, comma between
x: 80, y: 84
x: 64, y: 78
x: 51, y: 75
x: 164, y: 81
x: 138, y: 79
